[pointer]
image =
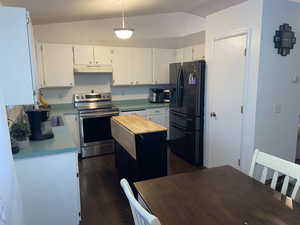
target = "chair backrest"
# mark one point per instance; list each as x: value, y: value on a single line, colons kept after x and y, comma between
x: 280, y: 167
x: 140, y: 215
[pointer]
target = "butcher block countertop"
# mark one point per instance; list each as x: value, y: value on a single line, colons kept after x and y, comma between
x: 138, y: 124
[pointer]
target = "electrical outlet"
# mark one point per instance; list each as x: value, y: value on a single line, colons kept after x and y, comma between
x: 277, y: 108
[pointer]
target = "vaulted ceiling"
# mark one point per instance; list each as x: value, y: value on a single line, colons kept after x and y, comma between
x: 51, y: 11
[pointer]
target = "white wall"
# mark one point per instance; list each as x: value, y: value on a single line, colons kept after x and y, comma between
x: 11, y: 211
x: 277, y: 133
x: 243, y: 17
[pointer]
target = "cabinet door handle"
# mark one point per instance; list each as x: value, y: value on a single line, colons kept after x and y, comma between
x: 90, y: 62
x: 96, y: 62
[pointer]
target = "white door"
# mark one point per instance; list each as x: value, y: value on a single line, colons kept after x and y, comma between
x: 227, y: 77
x: 123, y: 66
x: 83, y: 55
x: 103, y: 55
x: 142, y: 65
x: 57, y: 61
x: 162, y: 60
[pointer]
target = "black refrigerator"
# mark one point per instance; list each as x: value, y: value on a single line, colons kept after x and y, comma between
x: 187, y: 110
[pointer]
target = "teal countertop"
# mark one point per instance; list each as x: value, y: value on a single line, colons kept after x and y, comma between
x: 123, y: 105
x: 61, y: 143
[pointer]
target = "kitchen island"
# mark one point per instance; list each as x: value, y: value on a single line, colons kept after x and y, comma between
x: 141, y: 148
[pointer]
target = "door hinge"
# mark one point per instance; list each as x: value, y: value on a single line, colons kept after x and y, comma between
x: 27, y: 20
x: 245, y: 52
x: 77, y: 174
x: 242, y: 109
x: 239, y: 162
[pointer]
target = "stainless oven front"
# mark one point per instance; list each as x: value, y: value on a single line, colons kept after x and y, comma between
x: 95, y: 132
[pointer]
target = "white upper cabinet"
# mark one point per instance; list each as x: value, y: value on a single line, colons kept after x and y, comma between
x: 179, y: 55
x: 188, y: 54
x: 57, y: 65
x: 103, y: 55
x: 83, y: 55
x: 123, y: 66
x: 198, y: 52
x: 92, y: 55
x: 16, y: 58
x: 143, y: 65
x: 162, y: 59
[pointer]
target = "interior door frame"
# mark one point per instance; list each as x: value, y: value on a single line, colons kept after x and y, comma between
x: 208, y: 131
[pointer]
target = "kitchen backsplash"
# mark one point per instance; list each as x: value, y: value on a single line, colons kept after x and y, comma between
x: 14, y: 113
x: 101, y: 83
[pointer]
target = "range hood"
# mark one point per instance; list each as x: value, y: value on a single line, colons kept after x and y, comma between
x: 93, y: 69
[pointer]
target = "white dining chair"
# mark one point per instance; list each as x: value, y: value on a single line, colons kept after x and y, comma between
x: 280, y: 167
x: 140, y: 215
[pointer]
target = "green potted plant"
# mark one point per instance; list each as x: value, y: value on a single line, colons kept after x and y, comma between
x: 20, y: 131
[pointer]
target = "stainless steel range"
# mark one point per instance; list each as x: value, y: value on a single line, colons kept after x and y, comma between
x: 95, y: 111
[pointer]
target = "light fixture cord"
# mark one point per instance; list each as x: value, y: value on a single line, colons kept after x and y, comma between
x: 123, y: 14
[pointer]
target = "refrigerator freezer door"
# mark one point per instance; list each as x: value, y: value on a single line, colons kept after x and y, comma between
x: 185, y: 143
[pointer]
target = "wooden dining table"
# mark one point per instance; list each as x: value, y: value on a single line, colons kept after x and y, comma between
x: 217, y: 196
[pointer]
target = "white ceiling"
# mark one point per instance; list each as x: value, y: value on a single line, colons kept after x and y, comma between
x: 51, y: 11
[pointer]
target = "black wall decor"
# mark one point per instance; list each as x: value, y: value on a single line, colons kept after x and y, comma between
x: 284, y: 39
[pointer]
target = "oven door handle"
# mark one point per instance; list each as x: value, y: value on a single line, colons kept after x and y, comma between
x: 98, y: 115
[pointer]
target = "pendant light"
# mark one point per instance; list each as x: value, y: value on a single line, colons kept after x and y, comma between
x: 123, y: 33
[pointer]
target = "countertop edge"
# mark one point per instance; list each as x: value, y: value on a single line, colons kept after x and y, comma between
x: 46, y: 153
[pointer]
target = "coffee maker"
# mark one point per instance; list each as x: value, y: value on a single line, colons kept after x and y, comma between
x: 40, y: 125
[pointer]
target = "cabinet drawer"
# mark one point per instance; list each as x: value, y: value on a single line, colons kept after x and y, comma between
x: 124, y: 137
x: 156, y: 111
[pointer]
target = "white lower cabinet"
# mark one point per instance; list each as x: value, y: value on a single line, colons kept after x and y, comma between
x: 158, y: 115
x: 71, y: 121
x: 50, y: 189
x: 142, y: 113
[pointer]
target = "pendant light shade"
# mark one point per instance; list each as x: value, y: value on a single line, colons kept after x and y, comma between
x: 123, y: 33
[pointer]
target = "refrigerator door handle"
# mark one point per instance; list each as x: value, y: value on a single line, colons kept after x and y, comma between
x: 177, y: 88
x: 180, y: 88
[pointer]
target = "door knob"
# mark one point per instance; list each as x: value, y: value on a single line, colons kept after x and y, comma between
x: 213, y: 114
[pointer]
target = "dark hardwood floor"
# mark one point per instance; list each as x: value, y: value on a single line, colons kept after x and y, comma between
x: 102, y: 200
